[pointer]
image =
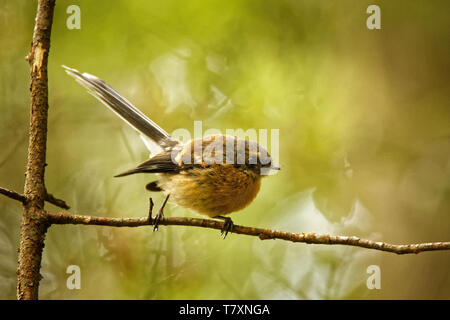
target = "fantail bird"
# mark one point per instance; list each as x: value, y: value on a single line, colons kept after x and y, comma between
x: 215, y: 175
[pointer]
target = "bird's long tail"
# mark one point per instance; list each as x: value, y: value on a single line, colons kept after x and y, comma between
x: 122, y: 107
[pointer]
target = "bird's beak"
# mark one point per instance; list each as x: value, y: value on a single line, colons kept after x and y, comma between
x: 275, y: 168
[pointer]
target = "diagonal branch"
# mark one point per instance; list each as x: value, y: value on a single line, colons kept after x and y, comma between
x: 263, y: 234
x: 56, y: 202
x: 48, y: 197
x: 13, y: 195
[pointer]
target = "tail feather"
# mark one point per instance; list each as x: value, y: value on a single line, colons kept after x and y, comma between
x: 122, y: 107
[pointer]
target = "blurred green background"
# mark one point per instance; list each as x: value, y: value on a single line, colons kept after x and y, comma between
x: 364, y: 144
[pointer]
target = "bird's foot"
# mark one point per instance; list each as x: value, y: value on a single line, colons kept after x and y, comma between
x: 160, y: 215
x: 227, y: 226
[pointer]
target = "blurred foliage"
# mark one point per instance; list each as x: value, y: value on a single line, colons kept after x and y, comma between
x: 364, y: 143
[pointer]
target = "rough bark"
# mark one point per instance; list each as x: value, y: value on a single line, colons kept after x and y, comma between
x: 34, y: 220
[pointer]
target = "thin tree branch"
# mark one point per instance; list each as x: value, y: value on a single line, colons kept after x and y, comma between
x: 56, y: 202
x: 13, y: 195
x: 263, y: 234
x: 48, y: 197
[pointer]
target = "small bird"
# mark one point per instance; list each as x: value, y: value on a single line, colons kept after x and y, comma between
x: 214, y: 175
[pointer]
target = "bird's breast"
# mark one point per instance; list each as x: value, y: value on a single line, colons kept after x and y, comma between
x: 214, y: 190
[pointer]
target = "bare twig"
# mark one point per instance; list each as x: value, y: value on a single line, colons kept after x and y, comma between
x: 56, y: 202
x: 263, y: 234
x: 48, y: 197
x: 13, y: 195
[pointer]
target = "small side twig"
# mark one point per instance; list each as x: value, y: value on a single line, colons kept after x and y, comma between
x: 13, y: 195
x: 48, y: 197
x: 57, y: 202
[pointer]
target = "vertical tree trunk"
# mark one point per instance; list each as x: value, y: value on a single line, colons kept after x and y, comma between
x: 34, y: 219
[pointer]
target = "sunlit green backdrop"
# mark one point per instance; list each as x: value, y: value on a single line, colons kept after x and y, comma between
x: 364, y: 144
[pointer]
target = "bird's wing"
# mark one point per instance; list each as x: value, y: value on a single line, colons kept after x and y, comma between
x: 160, y: 163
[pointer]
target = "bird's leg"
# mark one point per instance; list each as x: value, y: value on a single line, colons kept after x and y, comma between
x: 227, y: 225
x: 160, y: 215
x: 150, y: 210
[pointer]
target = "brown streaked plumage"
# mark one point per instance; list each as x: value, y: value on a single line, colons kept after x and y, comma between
x: 214, y: 176
x: 213, y: 191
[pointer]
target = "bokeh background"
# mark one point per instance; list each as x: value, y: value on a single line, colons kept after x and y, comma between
x: 364, y: 144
